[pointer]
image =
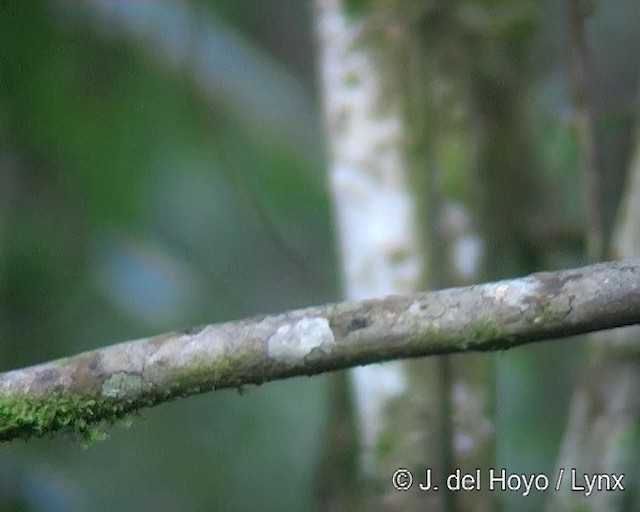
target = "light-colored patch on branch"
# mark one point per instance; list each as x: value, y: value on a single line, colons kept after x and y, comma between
x: 291, y: 342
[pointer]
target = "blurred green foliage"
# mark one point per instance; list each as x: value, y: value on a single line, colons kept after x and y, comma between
x: 139, y: 196
x: 161, y: 166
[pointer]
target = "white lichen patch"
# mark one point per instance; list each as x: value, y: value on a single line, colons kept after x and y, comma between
x: 415, y: 308
x: 296, y: 341
x: 514, y: 293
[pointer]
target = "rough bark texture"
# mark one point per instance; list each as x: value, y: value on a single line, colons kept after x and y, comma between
x: 106, y: 384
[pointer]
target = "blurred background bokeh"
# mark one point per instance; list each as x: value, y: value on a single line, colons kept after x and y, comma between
x: 162, y: 165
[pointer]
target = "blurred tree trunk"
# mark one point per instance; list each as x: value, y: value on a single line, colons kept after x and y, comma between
x: 367, y: 59
x: 504, y: 185
x: 396, y: 97
x: 603, y: 430
x: 367, y: 54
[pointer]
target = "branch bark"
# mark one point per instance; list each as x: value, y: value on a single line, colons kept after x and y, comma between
x: 75, y: 393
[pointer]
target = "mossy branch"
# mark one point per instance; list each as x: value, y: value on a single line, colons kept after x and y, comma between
x: 76, y: 393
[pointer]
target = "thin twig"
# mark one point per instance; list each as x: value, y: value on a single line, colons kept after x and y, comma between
x: 593, y: 182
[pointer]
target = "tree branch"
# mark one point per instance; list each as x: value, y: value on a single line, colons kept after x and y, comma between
x: 75, y: 393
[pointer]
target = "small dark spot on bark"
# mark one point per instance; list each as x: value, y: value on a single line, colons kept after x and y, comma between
x: 553, y: 284
x: 47, y: 377
x: 192, y: 331
x: 357, y: 322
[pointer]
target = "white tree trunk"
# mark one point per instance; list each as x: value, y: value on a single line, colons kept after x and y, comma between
x: 375, y: 214
x: 365, y: 70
